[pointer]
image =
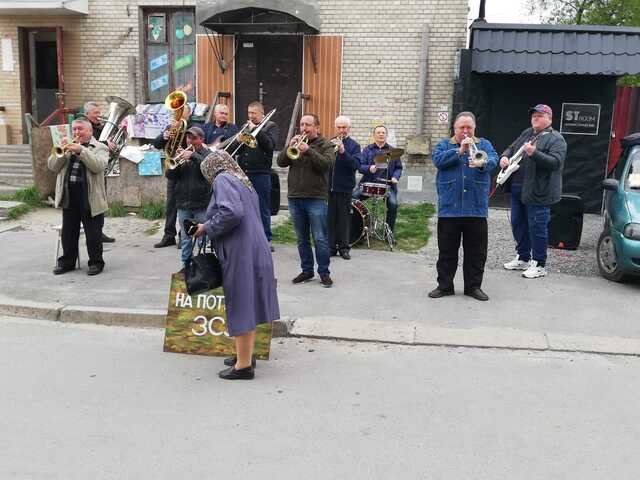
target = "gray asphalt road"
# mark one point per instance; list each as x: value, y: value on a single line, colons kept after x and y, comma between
x: 89, y: 402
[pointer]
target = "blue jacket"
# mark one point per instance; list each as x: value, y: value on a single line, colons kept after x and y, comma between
x: 213, y: 133
x: 394, y: 170
x: 343, y: 172
x: 462, y: 191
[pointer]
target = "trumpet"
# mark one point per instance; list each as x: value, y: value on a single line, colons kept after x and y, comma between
x: 478, y: 156
x: 293, y: 152
x: 337, y: 141
x: 61, y: 151
x: 171, y: 163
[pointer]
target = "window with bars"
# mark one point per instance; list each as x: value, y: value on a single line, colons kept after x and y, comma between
x: 169, y: 53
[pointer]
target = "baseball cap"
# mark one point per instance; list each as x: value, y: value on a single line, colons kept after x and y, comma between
x: 197, y: 131
x: 542, y: 108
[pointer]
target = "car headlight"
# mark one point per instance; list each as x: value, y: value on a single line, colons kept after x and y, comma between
x: 632, y: 231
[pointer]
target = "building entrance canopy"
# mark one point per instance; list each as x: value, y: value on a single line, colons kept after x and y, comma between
x: 266, y: 16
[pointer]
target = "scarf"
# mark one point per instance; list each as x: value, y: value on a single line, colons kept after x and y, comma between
x: 221, y: 162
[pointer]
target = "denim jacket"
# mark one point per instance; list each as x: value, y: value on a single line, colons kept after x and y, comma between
x: 462, y: 191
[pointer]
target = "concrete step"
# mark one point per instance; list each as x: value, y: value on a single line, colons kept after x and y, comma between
x: 25, y: 149
x: 17, y: 179
x: 16, y: 157
x: 5, y: 206
x: 17, y: 167
x: 9, y: 189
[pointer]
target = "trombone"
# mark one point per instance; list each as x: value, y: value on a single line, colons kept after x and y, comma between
x: 61, y: 151
x: 293, y: 152
x: 171, y: 163
x: 245, y: 136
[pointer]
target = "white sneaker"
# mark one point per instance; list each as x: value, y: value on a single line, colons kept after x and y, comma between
x: 516, y: 264
x: 534, y: 271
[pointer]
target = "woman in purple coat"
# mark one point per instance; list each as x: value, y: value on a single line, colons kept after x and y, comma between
x: 234, y: 226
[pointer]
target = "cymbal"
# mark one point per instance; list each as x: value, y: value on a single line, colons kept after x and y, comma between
x: 390, y: 154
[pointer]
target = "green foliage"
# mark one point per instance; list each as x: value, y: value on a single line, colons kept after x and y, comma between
x: 152, y: 210
x: 116, y: 209
x: 16, y: 212
x: 29, y: 195
x: 587, y: 12
x: 412, y: 232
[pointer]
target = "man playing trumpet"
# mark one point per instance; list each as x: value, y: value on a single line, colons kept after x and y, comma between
x: 308, y: 186
x: 81, y: 195
x: 192, y: 192
x: 342, y: 180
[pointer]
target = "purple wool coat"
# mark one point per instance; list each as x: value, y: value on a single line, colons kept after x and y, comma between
x: 233, y: 224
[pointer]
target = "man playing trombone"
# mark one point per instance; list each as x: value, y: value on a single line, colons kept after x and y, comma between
x: 309, y: 158
x: 257, y: 162
x: 464, y: 165
x: 192, y: 191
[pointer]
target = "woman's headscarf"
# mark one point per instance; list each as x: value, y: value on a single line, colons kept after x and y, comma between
x: 220, y: 162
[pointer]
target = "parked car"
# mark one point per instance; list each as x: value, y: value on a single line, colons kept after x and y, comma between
x: 619, y: 243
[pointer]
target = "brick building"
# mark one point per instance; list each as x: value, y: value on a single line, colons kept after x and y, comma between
x: 107, y: 46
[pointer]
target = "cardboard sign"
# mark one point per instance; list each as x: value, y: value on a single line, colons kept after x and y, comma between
x: 197, y: 324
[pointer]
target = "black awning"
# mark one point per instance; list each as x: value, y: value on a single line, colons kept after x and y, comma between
x: 555, y: 49
x: 266, y: 16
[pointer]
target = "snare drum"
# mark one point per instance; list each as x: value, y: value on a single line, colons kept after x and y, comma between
x: 359, y: 219
x: 376, y: 190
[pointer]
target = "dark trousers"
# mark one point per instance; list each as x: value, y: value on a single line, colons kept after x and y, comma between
x: 72, y: 216
x: 473, y: 231
x: 171, y: 211
x: 262, y: 184
x: 339, y: 220
x: 529, y: 224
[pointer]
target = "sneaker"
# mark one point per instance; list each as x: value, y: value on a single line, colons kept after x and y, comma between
x: 516, y: 264
x: 325, y: 281
x: 303, y: 277
x: 534, y: 271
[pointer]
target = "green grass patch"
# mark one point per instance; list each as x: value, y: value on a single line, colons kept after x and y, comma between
x: 152, y: 210
x: 28, y: 196
x: 116, y: 209
x: 412, y: 231
x: 16, y: 212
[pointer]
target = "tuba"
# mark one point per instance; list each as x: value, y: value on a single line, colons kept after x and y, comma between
x: 293, y: 152
x: 176, y: 102
x: 119, y: 109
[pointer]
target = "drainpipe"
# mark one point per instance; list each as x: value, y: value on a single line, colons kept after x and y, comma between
x: 131, y: 77
x: 422, y: 86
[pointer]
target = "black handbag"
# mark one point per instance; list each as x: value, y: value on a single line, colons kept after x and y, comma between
x: 203, y: 271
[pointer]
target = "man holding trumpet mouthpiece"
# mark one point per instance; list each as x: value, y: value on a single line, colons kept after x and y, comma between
x: 463, y: 183
x: 192, y: 192
x: 308, y: 188
x: 81, y: 195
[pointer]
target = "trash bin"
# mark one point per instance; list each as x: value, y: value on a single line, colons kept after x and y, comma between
x: 565, y: 227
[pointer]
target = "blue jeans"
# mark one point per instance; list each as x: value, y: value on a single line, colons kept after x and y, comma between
x: 529, y: 224
x: 186, y: 245
x: 309, y: 216
x: 262, y: 184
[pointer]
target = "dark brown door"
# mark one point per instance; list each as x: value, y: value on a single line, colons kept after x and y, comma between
x: 269, y: 70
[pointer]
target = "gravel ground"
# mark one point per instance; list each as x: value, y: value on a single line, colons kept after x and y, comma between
x: 580, y: 262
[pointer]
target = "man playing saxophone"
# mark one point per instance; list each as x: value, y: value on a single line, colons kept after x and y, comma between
x: 160, y: 142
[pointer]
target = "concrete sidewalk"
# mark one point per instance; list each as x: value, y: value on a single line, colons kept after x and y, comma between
x: 377, y: 296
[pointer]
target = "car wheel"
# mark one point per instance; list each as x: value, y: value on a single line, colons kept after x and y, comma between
x: 607, y: 259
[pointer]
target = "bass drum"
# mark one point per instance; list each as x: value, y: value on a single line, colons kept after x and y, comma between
x: 359, y: 219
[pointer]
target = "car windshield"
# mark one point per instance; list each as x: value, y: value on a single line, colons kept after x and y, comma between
x: 633, y: 177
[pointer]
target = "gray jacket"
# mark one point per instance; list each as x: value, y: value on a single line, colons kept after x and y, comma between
x: 542, y: 181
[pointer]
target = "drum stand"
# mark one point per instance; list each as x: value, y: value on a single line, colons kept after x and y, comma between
x: 376, y: 225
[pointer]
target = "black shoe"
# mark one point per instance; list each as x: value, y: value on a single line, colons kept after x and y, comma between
x: 345, y: 255
x: 271, y: 247
x: 325, y: 281
x: 303, y: 277
x: 95, y: 269
x: 437, y: 293
x: 165, y: 242
x: 232, y: 374
x: 60, y: 269
x: 478, y: 294
x: 107, y: 239
x: 231, y: 361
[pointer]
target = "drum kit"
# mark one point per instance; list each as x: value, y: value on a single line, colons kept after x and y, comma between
x: 369, y: 221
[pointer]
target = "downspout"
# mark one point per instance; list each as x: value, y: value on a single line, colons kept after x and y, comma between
x: 422, y: 86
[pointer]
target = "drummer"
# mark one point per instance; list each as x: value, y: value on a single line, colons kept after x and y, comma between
x: 379, y: 167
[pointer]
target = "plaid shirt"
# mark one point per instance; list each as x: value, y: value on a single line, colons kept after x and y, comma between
x: 75, y: 175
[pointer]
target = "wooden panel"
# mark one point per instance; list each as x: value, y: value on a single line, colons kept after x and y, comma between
x: 210, y: 78
x: 323, y: 78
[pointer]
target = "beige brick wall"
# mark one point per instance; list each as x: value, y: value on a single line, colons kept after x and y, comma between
x: 381, y: 60
x: 380, y: 71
